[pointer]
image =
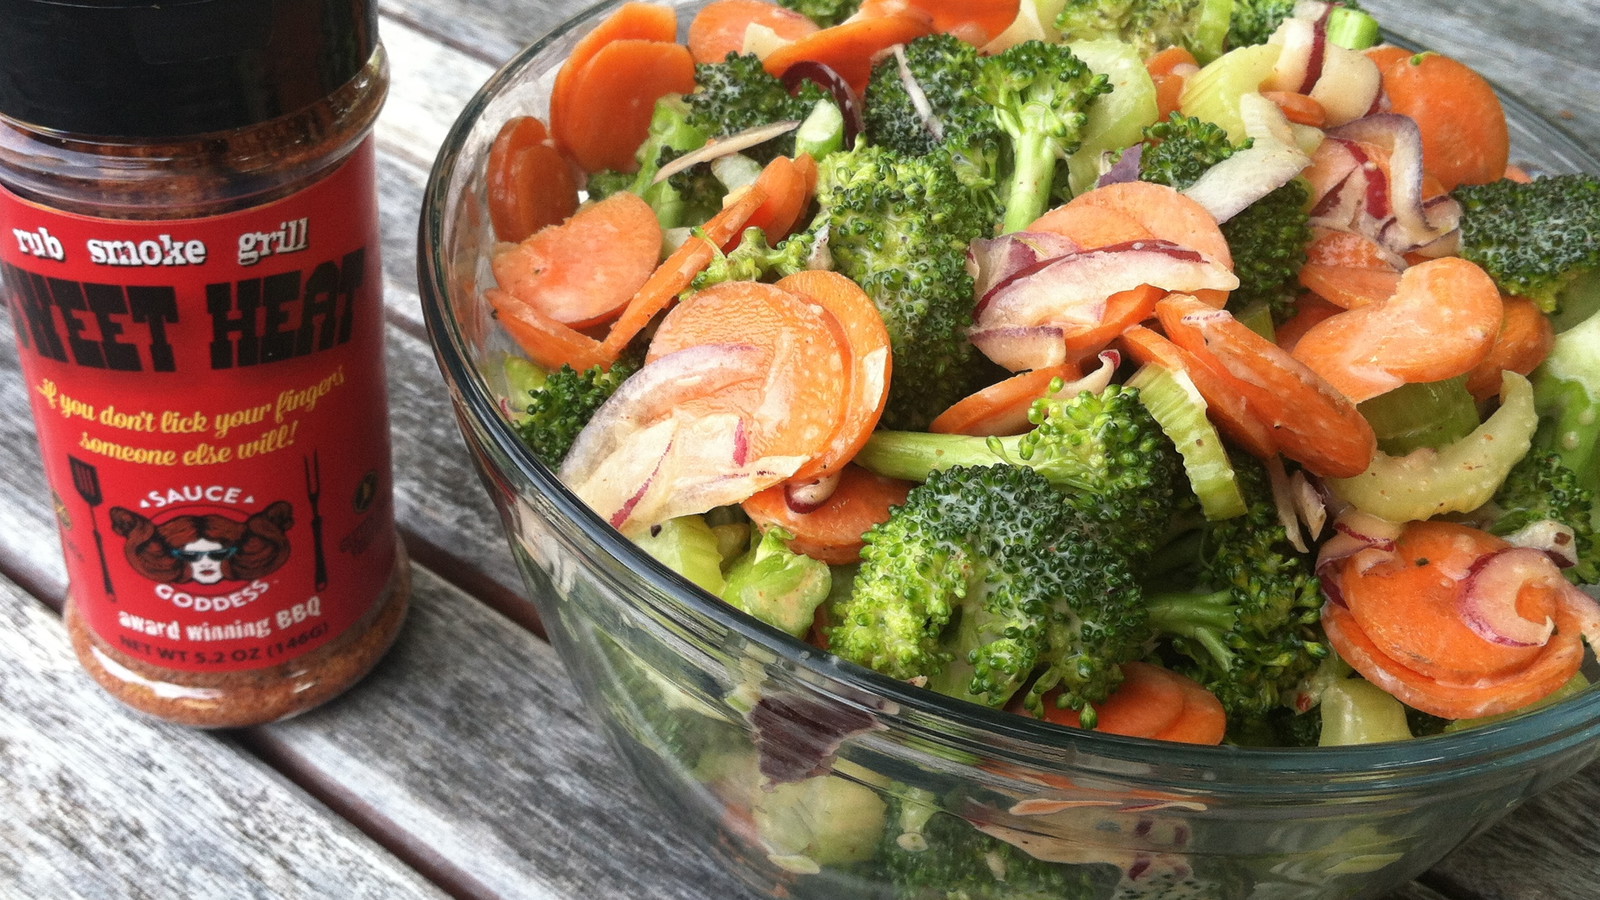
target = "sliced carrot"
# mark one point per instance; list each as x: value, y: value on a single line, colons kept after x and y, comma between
x: 851, y: 47
x: 1349, y: 287
x: 1309, y: 310
x: 1525, y: 339
x: 1408, y: 604
x: 718, y: 29
x: 1387, y: 54
x: 583, y: 271
x: 607, y: 111
x: 1169, y: 94
x: 1166, y: 213
x: 1301, y: 109
x: 1169, y: 60
x: 1202, y: 720
x: 868, y: 363
x: 975, y: 21
x: 832, y: 531
x: 797, y: 408
x: 1333, y: 247
x: 1441, y: 322
x: 632, y: 21
x: 1555, y: 664
x: 1311, y: 422
x: 546, y: 341
x: 788, y: 186
x: 674, y: 275
x: 1348, y: 268
x: 1518, y: 174
x: 1124, y: 309
x: 531, y: 184
x: 1465, y: 139
x: 1225, y: 407
x: 1002, y: 407
x: 1152, y: 702
x: 1091, y: 226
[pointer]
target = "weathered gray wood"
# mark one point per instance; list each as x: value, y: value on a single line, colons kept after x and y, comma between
x: 471, y: 740
x: 99, y: 803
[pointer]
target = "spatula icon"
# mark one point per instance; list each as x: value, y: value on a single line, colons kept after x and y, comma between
x: 86, y: 479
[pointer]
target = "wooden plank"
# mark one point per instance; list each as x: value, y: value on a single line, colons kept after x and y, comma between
x: 470, y: 741
x: 99, y: 803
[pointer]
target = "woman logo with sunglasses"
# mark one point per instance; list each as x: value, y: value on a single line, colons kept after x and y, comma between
x: 206, y: 549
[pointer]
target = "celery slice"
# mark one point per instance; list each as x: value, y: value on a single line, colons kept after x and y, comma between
x: 688, y: 546
x: 1118, y: 119
x: 1459, y: 477
x: 1353, y: 29
x: 1179, y: 409
x: 1213, y: 93
x: 1359, y: 712
x: 1430, y: 414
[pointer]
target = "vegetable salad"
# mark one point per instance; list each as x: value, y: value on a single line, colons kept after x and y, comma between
x: 1199, y: 371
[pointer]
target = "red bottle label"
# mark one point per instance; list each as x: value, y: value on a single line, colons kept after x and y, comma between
x: 210, y: 401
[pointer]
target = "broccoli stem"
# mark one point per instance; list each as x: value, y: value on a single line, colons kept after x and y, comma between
x: 1202, y: 617
x: 1028, y: 195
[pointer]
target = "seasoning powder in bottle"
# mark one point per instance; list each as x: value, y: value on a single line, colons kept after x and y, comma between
x: 189, y: 252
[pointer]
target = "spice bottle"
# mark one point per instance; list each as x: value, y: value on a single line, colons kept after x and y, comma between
x: 189, y: 252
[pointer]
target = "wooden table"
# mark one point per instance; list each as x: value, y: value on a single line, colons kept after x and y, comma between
x: 464, y: 766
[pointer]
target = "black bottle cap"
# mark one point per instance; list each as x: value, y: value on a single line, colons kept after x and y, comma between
x: 171, y: 68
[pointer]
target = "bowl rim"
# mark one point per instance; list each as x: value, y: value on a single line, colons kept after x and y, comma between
x: 1361, y: 768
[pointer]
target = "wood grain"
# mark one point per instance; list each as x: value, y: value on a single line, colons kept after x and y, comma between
x: 99, y: 803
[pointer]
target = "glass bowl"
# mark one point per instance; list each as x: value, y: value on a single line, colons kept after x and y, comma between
x: 812, y: 777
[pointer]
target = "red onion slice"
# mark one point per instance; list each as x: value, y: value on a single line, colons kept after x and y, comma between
x: 1554, y: 539
x: 1271, y: 161
x: 1017, y: 348
x: 1353, y: 532
x: 1583, y: 609
x: 809, y: 496
x: 1067, y: 289
x: 1125, y: 169
x: 1416, y: 225
x: 1488, y: 598
x: 725, y: 146
x: 991, y: 261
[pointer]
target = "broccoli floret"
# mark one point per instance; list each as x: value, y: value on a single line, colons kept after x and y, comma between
x: 938, y: 111
x: 606, y: 182
x: 1040, y: 94
x: 1247, y: 628
x: 1150, y: 25
x: 947, y: 858
x: 1268, y: 240
x: 1179, y: 149
x: 738, y: 93
x: 1105, y: 453
x: 556, y: 405
x: 1533, y: 238
x: 1541, y: 488
x: 1566, y: 390
x: 824, y: 12
x: 899, y: 227
x: 753, y: 259
x: 983, y: 578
